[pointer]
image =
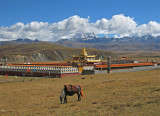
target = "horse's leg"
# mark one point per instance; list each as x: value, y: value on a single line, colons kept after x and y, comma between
x: 79, y: 96
x: 61, y: 100
x: 65, y: 99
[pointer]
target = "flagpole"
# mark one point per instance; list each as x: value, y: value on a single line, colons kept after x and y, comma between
x: 101, y: 63
x: 109, y: 64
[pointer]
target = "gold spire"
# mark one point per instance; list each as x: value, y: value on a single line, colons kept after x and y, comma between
x: 84, y: 53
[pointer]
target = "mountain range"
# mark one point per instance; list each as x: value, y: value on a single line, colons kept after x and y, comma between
x: 20, y: 41
x: 144, y: 43
x: 91, y: 40
x: 35, y: 50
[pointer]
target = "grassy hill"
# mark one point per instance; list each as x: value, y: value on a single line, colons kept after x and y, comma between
x: 142, y: 52
x: 44, y: 52
x: 55, y: 52
x: 114, y: 46
x: 118, y: 94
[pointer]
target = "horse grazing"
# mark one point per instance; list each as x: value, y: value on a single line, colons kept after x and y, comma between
x: 70, y: 90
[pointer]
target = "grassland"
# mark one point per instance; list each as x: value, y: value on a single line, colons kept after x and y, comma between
x: 118, y: 94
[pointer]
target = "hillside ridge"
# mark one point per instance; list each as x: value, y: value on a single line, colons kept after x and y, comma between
x: 43, y: 52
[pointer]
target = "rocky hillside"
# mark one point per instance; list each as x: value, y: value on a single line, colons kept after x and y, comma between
x: 43, y: 52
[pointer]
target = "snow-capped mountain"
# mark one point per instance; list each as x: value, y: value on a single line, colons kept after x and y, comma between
x: 144, y: 43
x: 93, y: 38
x: 84, y: 36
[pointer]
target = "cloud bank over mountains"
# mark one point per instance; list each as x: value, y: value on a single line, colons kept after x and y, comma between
x: 120, y: 25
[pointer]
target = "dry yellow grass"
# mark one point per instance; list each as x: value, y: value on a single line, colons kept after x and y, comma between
x: 124, y: 94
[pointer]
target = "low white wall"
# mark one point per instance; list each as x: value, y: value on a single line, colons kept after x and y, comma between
x: 135, y: 69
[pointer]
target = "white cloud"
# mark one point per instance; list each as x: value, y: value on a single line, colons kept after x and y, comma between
x: 35, y: 26
x: 119, y: 24
x: 152, y: 28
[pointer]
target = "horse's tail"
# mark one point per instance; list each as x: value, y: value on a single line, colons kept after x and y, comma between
x: 81, y: 93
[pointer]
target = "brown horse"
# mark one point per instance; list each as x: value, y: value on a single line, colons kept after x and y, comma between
x: 70, y: 90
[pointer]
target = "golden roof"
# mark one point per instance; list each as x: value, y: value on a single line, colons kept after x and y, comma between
x: 83, y: 57
x: 84, y: 53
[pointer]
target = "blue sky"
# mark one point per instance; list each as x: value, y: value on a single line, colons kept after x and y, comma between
x: 13, y: 11
x: 54, y: 11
